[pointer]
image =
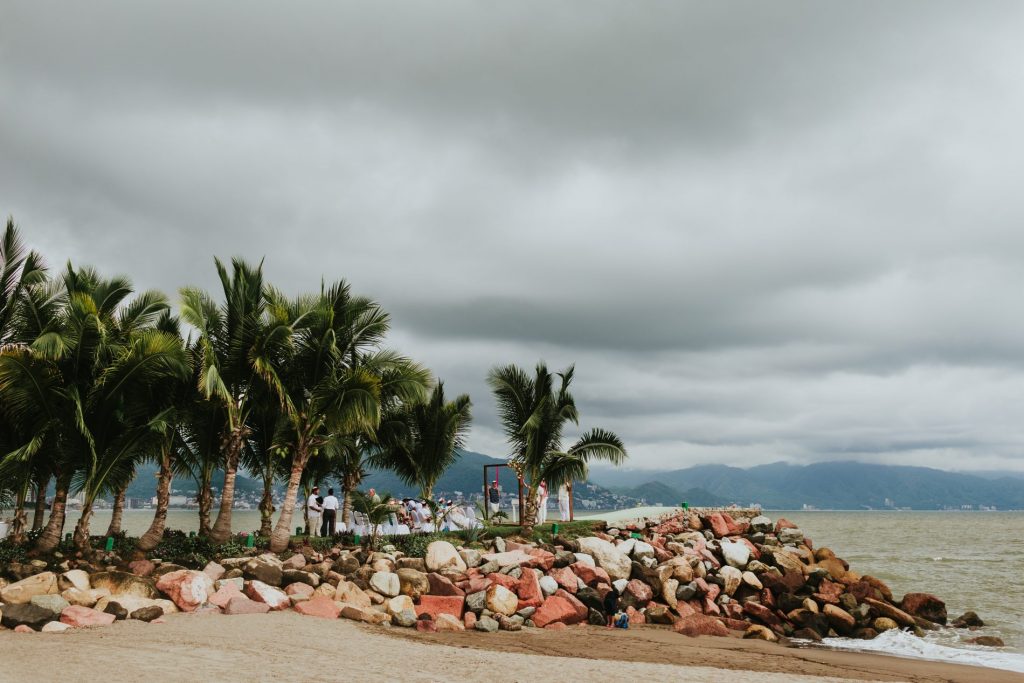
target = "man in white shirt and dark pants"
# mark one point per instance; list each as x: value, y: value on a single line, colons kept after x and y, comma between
x: 330, y: 514
x: 313, y: 511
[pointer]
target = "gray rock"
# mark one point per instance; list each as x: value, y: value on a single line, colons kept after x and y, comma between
x: 54, y: 603
x: 261, y: 570
x: 476, y: 602
x: 470, y: 557
x: 406, y: 617
x: 526, y: 612
x: 490, y: 568
x: 27, y: 614
x: 761, y: 524
x: 290, y: 576
x: 487, y: 625
x: 499, y: 544
x: 687, y: 591
x: 147, y: 614
x: 790, y: 536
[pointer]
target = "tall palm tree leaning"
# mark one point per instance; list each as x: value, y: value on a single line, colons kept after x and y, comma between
x: 241, y: 342
x: 424, y: 439
x: 333, y: 382
x: 533, y: 413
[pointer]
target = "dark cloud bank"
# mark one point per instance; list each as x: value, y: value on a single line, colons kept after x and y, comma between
x: 762, y: 231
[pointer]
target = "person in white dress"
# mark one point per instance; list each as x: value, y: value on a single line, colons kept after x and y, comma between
x: 542, y: 502
x: 563, y: 502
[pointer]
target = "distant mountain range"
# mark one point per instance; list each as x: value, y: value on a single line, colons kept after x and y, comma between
x: 830, y: 485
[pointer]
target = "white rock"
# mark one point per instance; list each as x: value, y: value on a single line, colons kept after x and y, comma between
x: 54, y: 627
x: 386, y: 583
x: 750, y: 578
x: 75, y: 578
x: 585, y: 559
x: 443, y: 555
x: 620, y: 585
x: 736, y: 554
x: 548, y: 585
x: 501, y: 600
x: 607, y: 556
x: 642, y: 551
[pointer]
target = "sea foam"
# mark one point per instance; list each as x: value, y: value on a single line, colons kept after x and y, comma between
x: 903, y: 644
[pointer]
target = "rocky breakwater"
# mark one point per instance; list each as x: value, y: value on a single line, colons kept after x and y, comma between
x: 697, y: 574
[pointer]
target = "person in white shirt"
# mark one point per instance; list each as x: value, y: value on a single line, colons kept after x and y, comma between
x: 330, y: 522
x: 542, y: 502
x: 313, y: 511
x: 563, y: 502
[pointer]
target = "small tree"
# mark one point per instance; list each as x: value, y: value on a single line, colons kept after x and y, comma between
x: 377, y: 509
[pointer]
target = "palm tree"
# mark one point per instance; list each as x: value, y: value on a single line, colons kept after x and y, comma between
x: 424, y: 439
x: 93, y: 388
x: 263, y: 456
x: 376, y: 508
x: 20, y: 269
x: 334, y: 380
x: 241, y: 341
x: 533, y: 413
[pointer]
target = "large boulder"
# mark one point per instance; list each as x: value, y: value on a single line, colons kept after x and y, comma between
x: 86, y: 598
x: 243, y: 605
x: 732, y: 578
x: 352, y: 594
x: 77, y: 616
x: 700, y: 625
x: 266, y: 569
x: 188, y: 589
x: 319, y: 606
x: 432, y: 605
x: 555, y: 609
x: 926, y: 606
x: 21, y: 592
x: 54, y: 603
x: 413, y: 583
x: 443, y: 555
x: 607, y: 557
x: 438, y: 584
x: 123, y: 583
x: 501, y: 600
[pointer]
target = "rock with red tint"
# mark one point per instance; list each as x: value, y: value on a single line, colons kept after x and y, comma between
x: 555, y: 626
x: 761, y: 613
x: 555, y: 609
x: 734, y: 527
x: 228, y: 591
x: 243, y: 605
x: 926, y: 606
x: 710, y: 557
x: 581, y: 610
x: 702, y: 586
x: 685, y: 609
x: 790, y: 582
x: 636, y: 617
x: 733, y: 610
x: 476, y: 585
x: 469, y: 620
x: 719, y: 527
x: 442, y: 585
x: 565, y: 578
x: 784, y: 523
x: 673, y: 525
x: 77, y: 616
x: 754, y: 552
x: 187, y: 589
x: 426, y: 626
x: 22, y: 628
x: 528, y: 590
x: 298, y: 591
x: 268, y: 595
x: 141, y: 567
x: 590, y: 575
x: 699, y: 625
x: 319, y: 606
x: 767, y: 598
x: 503, y: 580
x: 433, y: 605
x: 662, y: 555
x: 638, y: 593
x: 542, y: 559
x: 828, y: 592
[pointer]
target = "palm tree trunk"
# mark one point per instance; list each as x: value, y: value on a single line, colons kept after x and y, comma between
x: 529, y: 516
x: 19, y: 523
x: 283, y: 531
x: 205, y: 500
x: 267, y: 505
x: 348, y: 484
x: 40, y: 511
x: 50, y: 537
x: 155, y: 533
x: 117, y: 513
x: 81, y: 537
x: 221, y: 531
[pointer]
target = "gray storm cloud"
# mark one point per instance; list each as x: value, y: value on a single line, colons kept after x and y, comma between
x: 763, y: 231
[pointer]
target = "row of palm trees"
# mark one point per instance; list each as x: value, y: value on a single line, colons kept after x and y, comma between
x: 96, y: 379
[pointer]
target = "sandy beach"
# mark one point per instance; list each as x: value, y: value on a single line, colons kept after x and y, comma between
x: 281, y: 646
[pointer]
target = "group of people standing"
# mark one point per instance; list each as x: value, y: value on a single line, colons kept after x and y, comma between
x: 322, y: 512
x: 564, y: 507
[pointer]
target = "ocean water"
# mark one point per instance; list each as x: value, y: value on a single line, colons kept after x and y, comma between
x: 971, y: 560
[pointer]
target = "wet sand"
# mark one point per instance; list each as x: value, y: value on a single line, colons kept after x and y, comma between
x: 288, y: 646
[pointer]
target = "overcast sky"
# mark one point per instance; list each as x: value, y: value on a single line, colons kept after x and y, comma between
x: 763, y: 231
